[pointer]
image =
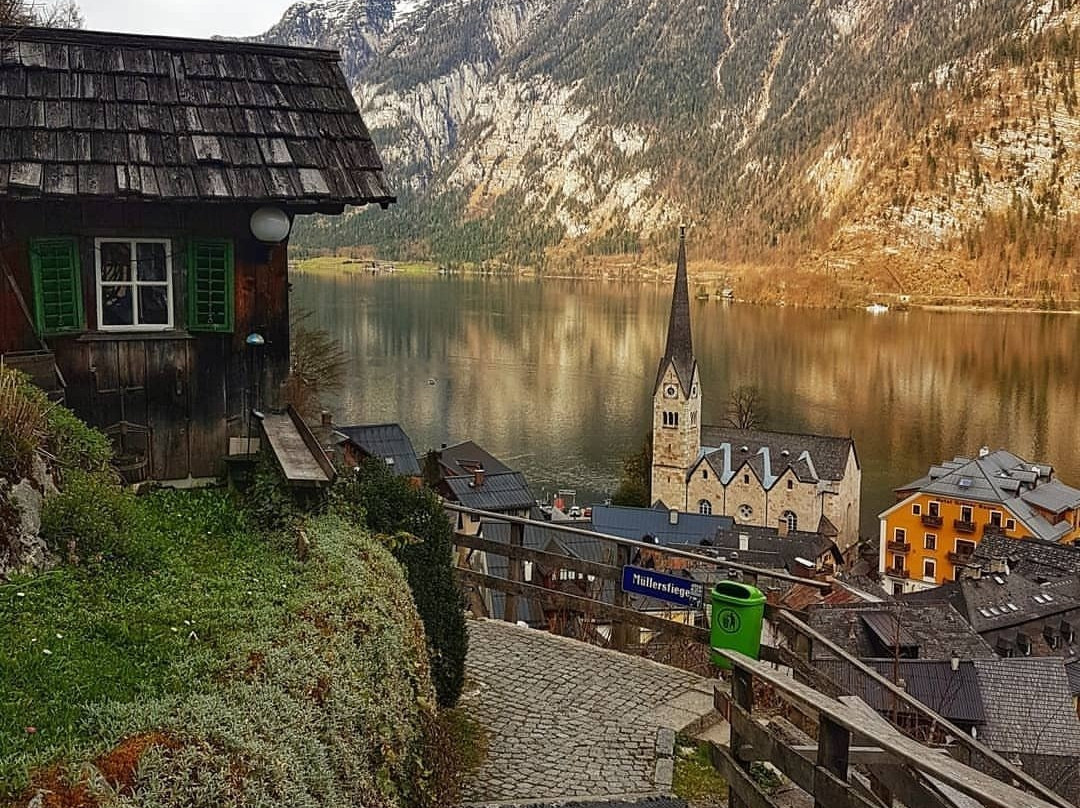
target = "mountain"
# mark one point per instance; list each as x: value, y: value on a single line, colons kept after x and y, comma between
x: 836, y: 147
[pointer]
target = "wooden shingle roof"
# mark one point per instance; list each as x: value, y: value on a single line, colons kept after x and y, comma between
x: 88, y: 115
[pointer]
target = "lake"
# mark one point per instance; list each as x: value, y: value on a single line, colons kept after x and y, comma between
x: 555, y: 376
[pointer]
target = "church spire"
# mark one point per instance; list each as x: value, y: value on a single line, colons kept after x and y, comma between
x: 680, y: 344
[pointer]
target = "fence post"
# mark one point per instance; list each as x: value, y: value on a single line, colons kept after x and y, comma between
x: 742, y: 693
x: 834, y: 742
x: 515, y: 571
x: 619, y: 630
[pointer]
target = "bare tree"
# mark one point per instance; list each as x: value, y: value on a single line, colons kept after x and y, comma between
x: 316, y: 365
x: 746, y: 408
x: 58, y: 14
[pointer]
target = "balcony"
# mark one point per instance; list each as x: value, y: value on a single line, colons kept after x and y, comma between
x: 960, y: 526
x: 898, y: 547
x: 895, y: 573
x: 959, y: 559
x: 993, y: 530
x: 932, y: 521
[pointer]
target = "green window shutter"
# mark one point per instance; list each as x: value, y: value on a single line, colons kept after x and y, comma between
x: 210, y: 286
x: 58, y: 301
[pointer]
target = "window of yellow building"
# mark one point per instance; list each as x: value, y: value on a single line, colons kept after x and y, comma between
x: 929, y: 542
x: 929, y: 569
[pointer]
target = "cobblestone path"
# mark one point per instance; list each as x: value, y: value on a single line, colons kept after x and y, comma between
x: 567, y: 720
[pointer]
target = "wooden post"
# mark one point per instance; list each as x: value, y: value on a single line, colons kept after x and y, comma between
x: 742, y: 693
x: 834, y: 751
x: 515, y: 571
x: 622, y: 599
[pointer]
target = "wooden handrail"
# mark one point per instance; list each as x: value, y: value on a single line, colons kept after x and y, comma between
x: 959, y: 735
x: 977, y: 785
x: 671, y: 551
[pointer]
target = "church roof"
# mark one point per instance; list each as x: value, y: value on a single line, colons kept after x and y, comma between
x: 680, y: 343
x: 771, y: 454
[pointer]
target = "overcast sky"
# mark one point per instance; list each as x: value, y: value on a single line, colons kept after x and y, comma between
x: 197, y: 18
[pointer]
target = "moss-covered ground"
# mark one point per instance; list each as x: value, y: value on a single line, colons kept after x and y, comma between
x: 205, y: 665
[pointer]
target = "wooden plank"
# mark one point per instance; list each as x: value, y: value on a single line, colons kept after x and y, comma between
x: 620, y: 638
x: 950, y: 771
x: 515, y: 572
x: 312, y: 443
x: 291, y: 453
x: 131, y: 375
x: 207, y: 436
x: 549, y: 561
x: 561, y: 600
x: 808, y: 636
x: 742, y: 790
x: 667, y: 551
x: 167, y: 407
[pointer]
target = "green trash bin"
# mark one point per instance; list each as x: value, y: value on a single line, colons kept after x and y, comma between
x: 737, y: 612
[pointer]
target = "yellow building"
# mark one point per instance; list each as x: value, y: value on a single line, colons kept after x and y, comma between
x: 932, y: 531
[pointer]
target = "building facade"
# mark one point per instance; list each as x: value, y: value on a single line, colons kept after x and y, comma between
x: 930, y: 535
x: 803, y: 482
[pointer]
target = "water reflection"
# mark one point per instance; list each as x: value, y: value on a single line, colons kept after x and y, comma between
x: 556, y: 376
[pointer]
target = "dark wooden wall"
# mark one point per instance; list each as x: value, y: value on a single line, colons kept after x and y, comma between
x: 187, y: 393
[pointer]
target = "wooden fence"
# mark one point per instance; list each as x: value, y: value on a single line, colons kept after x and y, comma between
x: 988, y: 772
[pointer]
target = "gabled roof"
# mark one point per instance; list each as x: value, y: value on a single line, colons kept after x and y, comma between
x: 997, y: 601
x: 937, y: 628
x: 507, y: 491
x: 103, y: 116
x: 771, y: 454
x: 679, y: 349
x: 773, y: 550
x: 1053, y: 496
x: 636, y: 523
x: 1029, y: 707
x: 466, y: 458
x: 1036, y: 559
x: 388, y: 442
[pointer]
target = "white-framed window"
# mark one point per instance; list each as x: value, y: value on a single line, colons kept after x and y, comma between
x: 929, y: 541
x: 134, y: 284
x: 1010, y: 524
x: 995, y: 518
x: 929, y: 569
x: 916, y: 509
x: 899, y: 534
x: 791, y: 518
x: 934, y: 509
x: 705, y: 507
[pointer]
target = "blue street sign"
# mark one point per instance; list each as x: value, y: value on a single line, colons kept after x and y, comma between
x: 669, y: 588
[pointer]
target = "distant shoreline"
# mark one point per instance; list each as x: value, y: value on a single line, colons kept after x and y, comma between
x: 353, y: 266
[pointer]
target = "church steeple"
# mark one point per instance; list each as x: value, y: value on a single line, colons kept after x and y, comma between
x: 680, y: 343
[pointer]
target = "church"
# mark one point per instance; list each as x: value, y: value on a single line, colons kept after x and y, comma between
x: 778, y: 480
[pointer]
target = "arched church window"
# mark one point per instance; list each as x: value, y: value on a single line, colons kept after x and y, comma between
x: 705, y: 507
x: 791, y: 518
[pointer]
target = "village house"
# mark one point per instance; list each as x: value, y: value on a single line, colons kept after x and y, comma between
x: 807, y: 482
x: 938, y: 521
x: 386, y: 442
x: 148, y: 186
x: 474, y: 478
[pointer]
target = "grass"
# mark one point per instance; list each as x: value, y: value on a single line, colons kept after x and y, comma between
x: 696, y: 780
x: 79, y: 637
x: 341, y: 264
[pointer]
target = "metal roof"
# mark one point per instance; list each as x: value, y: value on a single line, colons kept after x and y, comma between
x: 953, y: 694
x: 386, y: 442
x: 1034, y: 558
x: 463, y: 458
x: 498, y: 492
x: 887, y: 630
x: 1053, y: 496
x: 101, y: 116
x: 636, y: 523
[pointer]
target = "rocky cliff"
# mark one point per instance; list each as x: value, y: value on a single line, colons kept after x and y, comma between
x: 862, y: 140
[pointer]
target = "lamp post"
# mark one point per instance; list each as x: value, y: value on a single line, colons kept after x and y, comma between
x: 254, y: 343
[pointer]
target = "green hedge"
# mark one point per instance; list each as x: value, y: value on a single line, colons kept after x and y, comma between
x: 390, y: 505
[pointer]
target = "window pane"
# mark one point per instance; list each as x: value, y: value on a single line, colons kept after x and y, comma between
x: 150, y: 261
x: 116, y: 305
x: 153, y: 305
x: 115, y: 261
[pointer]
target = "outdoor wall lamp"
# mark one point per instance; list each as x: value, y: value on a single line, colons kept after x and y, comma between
x: 270, y: 225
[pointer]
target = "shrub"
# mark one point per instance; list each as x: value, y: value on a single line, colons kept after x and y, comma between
x: 391, y: 505
x: 22, y: 426
x: 91, y: 517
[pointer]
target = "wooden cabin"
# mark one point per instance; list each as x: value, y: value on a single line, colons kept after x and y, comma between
x: 135, y: 173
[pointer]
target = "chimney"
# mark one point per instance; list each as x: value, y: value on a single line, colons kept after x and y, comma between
x: 998, y: 566
x: 782, y: 527
x: 478, y: 477
x: 327, y: 418
x: 984, y: 451
x: 954, y: 661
